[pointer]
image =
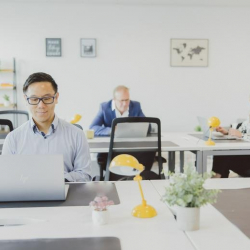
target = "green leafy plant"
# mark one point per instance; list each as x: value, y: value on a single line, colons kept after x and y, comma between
x: 186, y: 189
x: 197, y: 128
x: 6, y: 98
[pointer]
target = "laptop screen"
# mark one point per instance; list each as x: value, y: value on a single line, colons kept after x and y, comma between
x: 131, y: 130
x: 31, y: 177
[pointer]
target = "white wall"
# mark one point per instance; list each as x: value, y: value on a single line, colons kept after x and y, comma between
x: 133, y: 48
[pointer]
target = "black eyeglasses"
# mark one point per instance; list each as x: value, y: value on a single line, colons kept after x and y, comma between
x: 45, y: 100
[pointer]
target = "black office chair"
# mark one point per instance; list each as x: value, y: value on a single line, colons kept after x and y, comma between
x: 5, y: 122
x: 145, y: 174
x: 16, y: 116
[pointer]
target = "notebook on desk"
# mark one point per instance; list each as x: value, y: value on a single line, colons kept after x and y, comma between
x: 131, y: 130
x: 32, y: 178
x: 215, y: 135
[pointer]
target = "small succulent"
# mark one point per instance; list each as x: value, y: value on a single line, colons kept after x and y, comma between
x: 100, y: 203
x: 6, y: 97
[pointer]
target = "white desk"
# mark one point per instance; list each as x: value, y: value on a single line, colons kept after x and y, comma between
x: 216, y: 232
x: 171, y: 142
x: 225, y: 147
x: 159, y: 233
x: 183, y: 142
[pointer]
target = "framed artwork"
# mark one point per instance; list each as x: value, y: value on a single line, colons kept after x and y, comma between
x: 88, y: 47
x: 53, y: 47
x: 189, y: 52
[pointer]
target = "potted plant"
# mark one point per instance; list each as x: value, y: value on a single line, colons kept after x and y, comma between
x: 187, y: 194
x: 6, y: 100
x: 197, y: 128
x: 100, y: 214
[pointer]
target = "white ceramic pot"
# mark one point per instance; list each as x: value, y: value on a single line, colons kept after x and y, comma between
x: 100, y: 217
x: 188, y: 218
x: 6, y: 103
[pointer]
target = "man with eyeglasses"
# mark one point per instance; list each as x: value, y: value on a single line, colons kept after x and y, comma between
x: 45, y: 133
x: 119, y: 106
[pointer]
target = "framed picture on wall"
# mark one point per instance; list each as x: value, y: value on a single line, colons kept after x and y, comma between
x: 189, y: 52
x: 88, y: 47
x: 53, y: 47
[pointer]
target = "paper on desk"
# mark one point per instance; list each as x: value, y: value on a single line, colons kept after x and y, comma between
x: 227, y: 183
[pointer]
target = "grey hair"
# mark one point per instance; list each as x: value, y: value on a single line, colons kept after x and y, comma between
x: 120, y: 87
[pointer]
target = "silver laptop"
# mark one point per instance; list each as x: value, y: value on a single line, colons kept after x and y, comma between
x: 215, y: 135
x: 32, y: 178
x: 131, y: 130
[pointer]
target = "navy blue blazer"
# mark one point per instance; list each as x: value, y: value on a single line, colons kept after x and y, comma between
x: 102, y: 122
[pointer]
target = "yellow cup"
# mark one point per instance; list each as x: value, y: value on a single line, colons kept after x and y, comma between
x: 90, y: 133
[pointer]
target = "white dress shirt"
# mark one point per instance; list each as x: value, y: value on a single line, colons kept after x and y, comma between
x: 117, y: 112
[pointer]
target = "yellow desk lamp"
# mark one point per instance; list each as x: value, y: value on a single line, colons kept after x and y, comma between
x: 213, y: 122
x: 76, y: 119
x: 128, y: 165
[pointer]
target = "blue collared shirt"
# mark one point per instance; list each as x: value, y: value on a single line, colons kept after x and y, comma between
x: 62, y: 138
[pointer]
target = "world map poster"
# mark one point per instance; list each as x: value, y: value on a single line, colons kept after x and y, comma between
x: 189, y: 52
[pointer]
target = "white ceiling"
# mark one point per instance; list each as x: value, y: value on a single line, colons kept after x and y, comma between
x: 143, y: 2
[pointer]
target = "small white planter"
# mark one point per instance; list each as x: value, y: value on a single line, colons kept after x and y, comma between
x: 100, y: 217
x: 188, y: 218
x: 6, y: 103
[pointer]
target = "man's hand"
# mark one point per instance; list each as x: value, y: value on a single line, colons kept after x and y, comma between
x: 222, y: 130
x: 234, y: 132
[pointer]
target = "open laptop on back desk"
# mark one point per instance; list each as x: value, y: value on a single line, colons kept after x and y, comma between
x: 131, y: 130
x: 32, y: 178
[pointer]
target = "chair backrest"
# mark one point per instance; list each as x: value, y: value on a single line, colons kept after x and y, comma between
x: 134, y: 120
x: 17, y: 117
x: 5, y: 122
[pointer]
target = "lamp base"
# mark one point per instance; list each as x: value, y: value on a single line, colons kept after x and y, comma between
x: 210, y: 143
x: 144, y: 211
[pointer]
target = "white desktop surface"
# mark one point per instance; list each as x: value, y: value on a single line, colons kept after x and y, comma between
x: 159, y: 233
x: 178, y: 138
x: 184, y: 141
x: 219, y: 145
x: 216, y: 232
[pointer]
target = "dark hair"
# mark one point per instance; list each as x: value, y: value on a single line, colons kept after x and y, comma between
x: 39, y: 77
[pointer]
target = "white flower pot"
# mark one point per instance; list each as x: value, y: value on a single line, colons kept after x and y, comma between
x: 6, y: 103
x: 100, y: 217
x: 188, y: 218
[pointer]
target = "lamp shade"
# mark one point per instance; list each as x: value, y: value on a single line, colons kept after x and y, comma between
x: 213, y: 122
x: 76, y: 118
x: 126, y: 165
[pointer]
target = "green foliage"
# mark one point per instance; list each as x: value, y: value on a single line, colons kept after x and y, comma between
x: 6, y: 97
x: 197, y: 128
x: 186, y: 189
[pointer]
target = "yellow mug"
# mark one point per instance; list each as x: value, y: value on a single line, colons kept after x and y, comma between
x: 90, y: 133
